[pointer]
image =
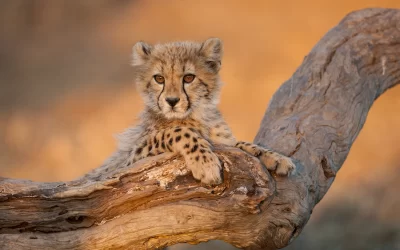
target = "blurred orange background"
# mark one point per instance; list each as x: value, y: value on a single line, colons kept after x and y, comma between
x: 66, y: 88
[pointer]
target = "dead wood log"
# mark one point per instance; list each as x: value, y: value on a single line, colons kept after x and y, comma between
x: 314, y: 117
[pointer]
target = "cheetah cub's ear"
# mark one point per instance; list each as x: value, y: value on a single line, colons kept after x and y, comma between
x: 211, y: 50
x: 140, y: 53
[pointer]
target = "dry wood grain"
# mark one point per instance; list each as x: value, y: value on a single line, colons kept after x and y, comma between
x: 314, y: 118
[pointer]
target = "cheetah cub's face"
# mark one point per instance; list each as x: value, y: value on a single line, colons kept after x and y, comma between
x: 178, y: 79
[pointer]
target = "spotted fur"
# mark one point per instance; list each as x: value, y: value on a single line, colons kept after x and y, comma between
x: 193, y: 124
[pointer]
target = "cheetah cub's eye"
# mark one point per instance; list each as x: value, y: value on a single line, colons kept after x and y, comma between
x: 159, y: 79
x: 188, y: 78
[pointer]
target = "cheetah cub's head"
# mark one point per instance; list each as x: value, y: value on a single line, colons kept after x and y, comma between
x: 178, y: 79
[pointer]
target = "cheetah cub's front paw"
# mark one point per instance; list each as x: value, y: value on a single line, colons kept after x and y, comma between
x: 282, y: 165
x: 206, y: 168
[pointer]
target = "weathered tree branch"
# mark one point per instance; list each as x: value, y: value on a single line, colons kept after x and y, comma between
x: 314, y: 118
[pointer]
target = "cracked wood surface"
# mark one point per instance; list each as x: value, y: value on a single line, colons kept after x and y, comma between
x: 314, y: 118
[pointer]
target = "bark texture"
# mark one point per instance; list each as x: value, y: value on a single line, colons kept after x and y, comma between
x: 314, y: 118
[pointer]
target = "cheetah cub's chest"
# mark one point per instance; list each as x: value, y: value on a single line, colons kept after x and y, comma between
x: 180, y: 85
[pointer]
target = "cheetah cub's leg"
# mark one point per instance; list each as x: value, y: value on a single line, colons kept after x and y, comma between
x: 282, y: 165
x: 197, y: 152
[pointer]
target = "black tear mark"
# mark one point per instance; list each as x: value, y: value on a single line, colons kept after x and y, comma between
x: 76, y: 219
x: 187, y: 97
x: 158, y: 98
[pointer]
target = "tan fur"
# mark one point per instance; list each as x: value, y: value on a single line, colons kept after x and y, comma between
x: 194, y: 124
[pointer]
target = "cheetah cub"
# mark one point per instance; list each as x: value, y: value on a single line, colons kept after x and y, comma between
x: 180, y: 85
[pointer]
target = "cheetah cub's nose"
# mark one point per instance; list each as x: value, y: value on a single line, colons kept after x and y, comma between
x: 172, y: 101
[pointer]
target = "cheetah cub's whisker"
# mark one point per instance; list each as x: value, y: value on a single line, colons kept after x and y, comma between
x: 180, y: 85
